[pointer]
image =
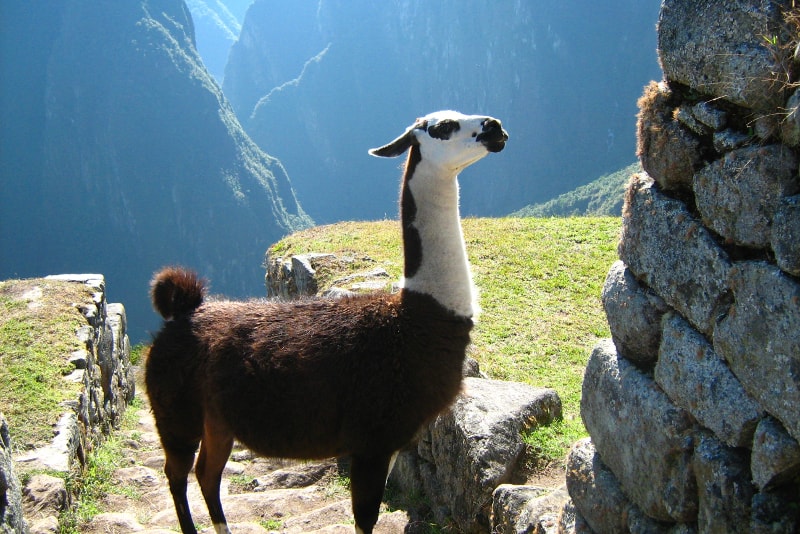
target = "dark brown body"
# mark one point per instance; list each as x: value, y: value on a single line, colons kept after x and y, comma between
x: 320, y: 378
x: 304, y: 379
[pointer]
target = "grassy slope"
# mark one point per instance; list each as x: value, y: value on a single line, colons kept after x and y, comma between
x: 36, y: 339
x: 540, y: 283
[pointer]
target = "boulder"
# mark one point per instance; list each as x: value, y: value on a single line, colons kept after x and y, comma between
x: 724, y: 488
x: 721, y: 49
x: 739, y: 194
x: 470, y: 450
x: 760, y: 339
x: 776, y: 456
x: 641, y: 435
x: 776, y: 511
x: 45, y: 496
x: 672, y: 253
x: 634, y: 315
x: 785, y: 236
x: 527, y: 509
x: 595, y: 490
x: 669, y: 153
x: 699, y: 381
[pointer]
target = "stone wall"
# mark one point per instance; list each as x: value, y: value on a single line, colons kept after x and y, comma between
x: 102, y: 365
x: 693, y: 407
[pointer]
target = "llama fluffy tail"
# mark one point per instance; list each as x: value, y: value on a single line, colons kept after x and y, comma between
x: 176, y: 291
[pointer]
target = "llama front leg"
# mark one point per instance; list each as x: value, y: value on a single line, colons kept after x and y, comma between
x: 214, y: 451
x: 367, y: 481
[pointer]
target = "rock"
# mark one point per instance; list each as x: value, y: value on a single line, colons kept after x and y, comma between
x: 67, y: 447
x: 672, y: 253
x: 790, y: 126
x: 669, y: 153
x: 776, y: 456
x: 525, y: 509
x: 710, y: 115
x: 45, y: 496
x: 760, y: 339
x: 137, y: 475
x: 785, y: 237
x: 724, y: 488
x: 728, y: 140
x: 11, y: 517
x: 338, y: 512
x: 45, y: 525
x: 595, y: 490
x: 634, y: 315
x: 776, y: 511
x: 294, y: 276
x: 299, y: 276
x: 739, y: 194
x: 116, y: 523
x: 295, y: 477
x: 571, y: 522
x: 731, y: 60
x: 651, y: 461
x: 640, y: 523
x: 470, y: 450
x: 699, y: 381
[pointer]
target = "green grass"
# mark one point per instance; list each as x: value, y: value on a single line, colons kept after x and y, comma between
x: 36, y: 339
x: 96, y: 481
x: 540, y: 281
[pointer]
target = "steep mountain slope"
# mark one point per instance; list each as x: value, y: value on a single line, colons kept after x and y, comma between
x: 320, y: 82
x: 602, y: 197
x: 118, y: 154
x: 217, y: 28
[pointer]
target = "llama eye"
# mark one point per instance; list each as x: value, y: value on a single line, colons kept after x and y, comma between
x: 444, y: 129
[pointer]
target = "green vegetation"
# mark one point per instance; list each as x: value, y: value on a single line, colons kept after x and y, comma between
x: 540, y: 282
x: 96, y: 481
x: 600, y: 198
x: 37, y: 336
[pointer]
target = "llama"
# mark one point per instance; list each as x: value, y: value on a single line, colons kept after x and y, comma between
x: 318, y: 378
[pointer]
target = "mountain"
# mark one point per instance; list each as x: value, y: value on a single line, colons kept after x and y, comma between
x: 217, y: 24
x: 320, y: 82
x: 601, y: 197
x: 119, y: 154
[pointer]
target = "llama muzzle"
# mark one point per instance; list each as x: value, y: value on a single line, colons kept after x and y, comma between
x: 493, y: 136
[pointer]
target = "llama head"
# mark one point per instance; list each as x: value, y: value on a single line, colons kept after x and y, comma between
x: 449, y: 139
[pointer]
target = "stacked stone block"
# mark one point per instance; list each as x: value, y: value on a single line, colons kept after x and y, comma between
x: 693, y: 406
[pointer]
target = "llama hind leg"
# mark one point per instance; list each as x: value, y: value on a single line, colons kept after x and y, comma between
x: 214, y: 451
x: 367, y: 482
x: 177, y: 466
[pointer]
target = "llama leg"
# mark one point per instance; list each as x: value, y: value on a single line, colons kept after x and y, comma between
x: 177, y: 467
x: 214, y: 451
x: 367, y: 481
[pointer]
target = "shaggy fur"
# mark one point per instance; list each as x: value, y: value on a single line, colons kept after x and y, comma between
x: 318, y: 378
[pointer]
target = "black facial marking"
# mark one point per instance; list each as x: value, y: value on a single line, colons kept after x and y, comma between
x: 444, y: 129
x: 412, y: 243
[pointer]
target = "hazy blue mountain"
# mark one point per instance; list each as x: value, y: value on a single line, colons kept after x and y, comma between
x: 119, y: 154
x: 601, y: 197
x: 319, y: 82
x: 217, y: 24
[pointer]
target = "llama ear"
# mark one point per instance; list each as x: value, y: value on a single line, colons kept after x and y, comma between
x: 396, y: 147
x: 402, y: 143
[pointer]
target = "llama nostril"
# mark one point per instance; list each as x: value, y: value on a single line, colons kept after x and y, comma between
x: 491, y: 124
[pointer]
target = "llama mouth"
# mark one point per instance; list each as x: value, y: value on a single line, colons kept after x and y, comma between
x: 494, y: 146
x: 493, y: 136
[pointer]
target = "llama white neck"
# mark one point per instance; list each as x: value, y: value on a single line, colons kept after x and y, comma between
x: 443, y: 270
